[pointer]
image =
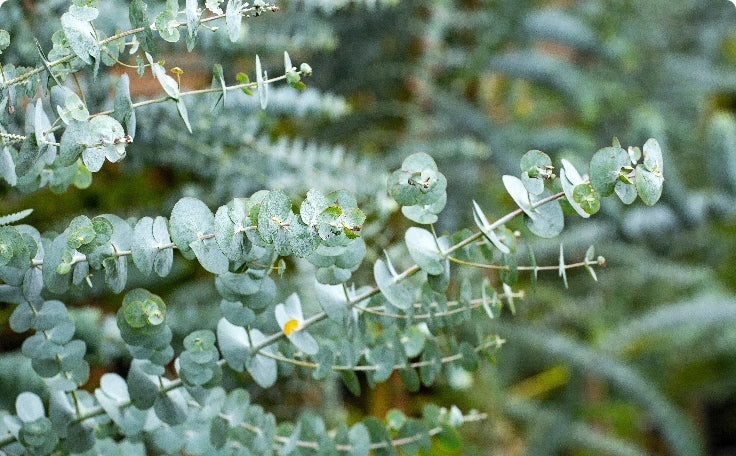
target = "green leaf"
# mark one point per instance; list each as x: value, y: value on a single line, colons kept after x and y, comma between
x: 431, y: 363
x: 535, y: 167
x: 218, y: 79
x: 147, y: 247
x: 171, y: 407
x: 518, y: 192
x: 190, y: 221
x: 233, y: 344
x: 448, y: 437
x: 138, y: 15
x: 424, y: 250
x: 73, y: 109
x: 182, y: 109
x: 548, y: 219
x: 359, y: 439
x: 400, y: 293
x: 123, y: 105
x: 274, y: 213
x: 192, y: 23
x: 605, y: 167
x: 261, y: 368
x: 588, y: 199
x: 4, y: 40
x: 350, y: 379
x: 167, y: 25
x: 569, y: 178
x: 169, y: 84
x: 261, y: 84
x: 81, y: 38
x: 28, y: 407
x: 242, y: 78
x: 232, y: 19
x: 649, y: 175
x: 332, y: 300
x: 485, y: 227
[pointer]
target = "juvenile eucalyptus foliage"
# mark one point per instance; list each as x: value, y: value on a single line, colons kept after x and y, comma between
x: 174, y: 401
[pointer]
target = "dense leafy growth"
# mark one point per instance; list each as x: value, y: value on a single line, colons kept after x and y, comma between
x: 278, y: 260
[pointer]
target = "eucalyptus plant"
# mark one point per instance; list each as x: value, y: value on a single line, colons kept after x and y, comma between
x: 174, y: 400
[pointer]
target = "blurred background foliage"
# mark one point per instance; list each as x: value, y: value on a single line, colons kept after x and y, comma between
x: 641, y: 362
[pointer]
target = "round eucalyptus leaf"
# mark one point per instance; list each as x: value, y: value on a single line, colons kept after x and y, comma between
x: 190, y: 220
x: 625, y: 192
x: 605, y: 167
x: 548, y: 220
x: 400, y: 294
x: 263, y: 369
x: 534, y: 164
x: 518, y: 192
x: 274, y: 212
x: 568, y: 187
x: 588, y: 199
x: 648, y: 184
x: 28, y: 407
x: 231, y: 222
x: 73, y: 141
x: 424, y: 250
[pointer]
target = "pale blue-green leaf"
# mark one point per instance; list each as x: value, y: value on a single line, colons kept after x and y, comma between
x: 192, y: 18
x: 519, y: 194
x: 287, y: 63
x: 233, y: 343
x: 572, y: 174
x: 648, y: 184
x: 22, y: 318
x: 55, y: 282
x: 144, y: 246
x: 263, y: 369
x: 116, y: 273
x: 182, y: 108
x: 167, y: 25
x: 171, y: 407
x: 400, y: 293
x: 625, y: 192
x: 232, y: 19
x: 209, y: 255
x: 360, y: 440
x: 561, y: 269
x: 73, y: 141
x: 382, y: 357
x: 142, y: 386
x: 138, y: 15
x: 236, y: 313
x: 7, y: 167
x: 653, y: 156
x: 485, y: 227
x: 114, y: 399
x: 169, y: 84
x: 81, y: 38
x: 424, y: 250
x: 262, y: 87
x: 123, y: 105
x: 332, y: 299
x: 534, y: 161
x: 190, y: 221
x: 84, y: 12
x: 413, y: 341
x: 431, y: 363
x: 548, y: 220
x: 42, y: 128
x: 605, y: 167
x: 290, y: 445
x: 73, y: 107
x: 28, y: 407
x: 274, y: 212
